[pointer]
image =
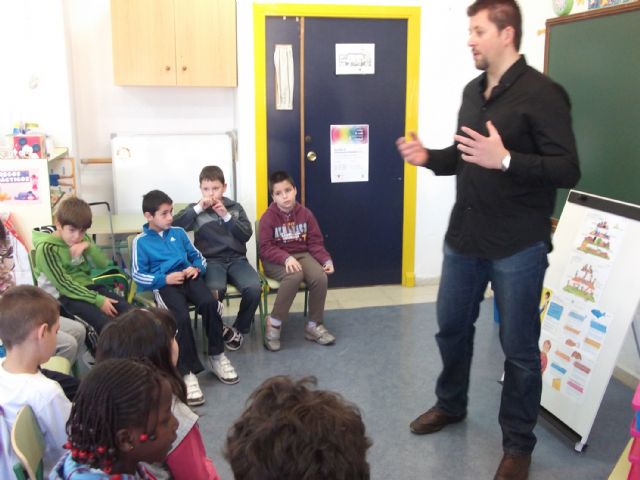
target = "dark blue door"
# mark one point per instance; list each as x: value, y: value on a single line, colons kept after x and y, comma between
x: 361, y: 221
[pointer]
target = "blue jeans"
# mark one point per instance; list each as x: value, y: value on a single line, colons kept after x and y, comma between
x: 517, y: 284
x: 239, y: 273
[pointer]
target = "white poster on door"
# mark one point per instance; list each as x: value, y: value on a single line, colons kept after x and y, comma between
x: 355, y: 58
x: 349, y: 153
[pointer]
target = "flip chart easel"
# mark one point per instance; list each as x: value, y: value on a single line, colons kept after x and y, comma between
x: 589, y: 299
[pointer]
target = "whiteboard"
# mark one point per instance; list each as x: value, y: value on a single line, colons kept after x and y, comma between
x: 593, y: 296
x: 167, y: 162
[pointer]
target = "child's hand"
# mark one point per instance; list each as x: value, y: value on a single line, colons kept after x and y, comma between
x: 328, y: 268
x: 175, y: 278
x: 78, y: 249
x: 191, y: 272
x: 108, y: 307
x: 219, y: 208
x: 292, y: 265
x: 205, y: 202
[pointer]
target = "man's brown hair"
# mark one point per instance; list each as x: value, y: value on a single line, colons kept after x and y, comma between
x: 212, y: 172
x: 503, y: 14
x: 22, y: 309
x: 291, y: 431
x: 75, y: 212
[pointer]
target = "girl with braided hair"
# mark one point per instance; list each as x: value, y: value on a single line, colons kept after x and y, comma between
x: 121, y: 418
x: 150, y: 334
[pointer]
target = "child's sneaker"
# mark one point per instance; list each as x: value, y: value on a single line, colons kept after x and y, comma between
x: 195, y: 396
x: 271, y: 336
x: 223, y: 369
x: 233, y: 339
x: 319, y: 334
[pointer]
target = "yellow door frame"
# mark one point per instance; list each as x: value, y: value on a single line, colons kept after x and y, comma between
x: 412, y: 15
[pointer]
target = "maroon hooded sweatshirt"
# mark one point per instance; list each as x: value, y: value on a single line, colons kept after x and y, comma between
x: 283, y: 234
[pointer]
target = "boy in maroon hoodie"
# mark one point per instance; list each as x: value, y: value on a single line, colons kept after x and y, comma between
x: 292, y: 250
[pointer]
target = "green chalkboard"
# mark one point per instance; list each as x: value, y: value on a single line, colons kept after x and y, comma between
x: 595, y: 56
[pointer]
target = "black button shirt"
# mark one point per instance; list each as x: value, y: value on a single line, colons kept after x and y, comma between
x: 496, y: 213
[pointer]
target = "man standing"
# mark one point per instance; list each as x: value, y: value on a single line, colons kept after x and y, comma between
x: 513, y: 149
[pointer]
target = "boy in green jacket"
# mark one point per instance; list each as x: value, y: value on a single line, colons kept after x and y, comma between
x: 63, y: 262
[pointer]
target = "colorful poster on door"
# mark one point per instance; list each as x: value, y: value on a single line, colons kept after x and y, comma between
x: 18, y: 185
x: 349, y: 153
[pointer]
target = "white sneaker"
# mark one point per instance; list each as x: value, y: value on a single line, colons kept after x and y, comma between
x: 319, y: 334
x: 195, y: 396
x: 223, y: 369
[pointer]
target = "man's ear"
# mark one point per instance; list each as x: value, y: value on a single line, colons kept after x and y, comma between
x: 148, y: 216
x: 509, y: 35
x: 123, y: 440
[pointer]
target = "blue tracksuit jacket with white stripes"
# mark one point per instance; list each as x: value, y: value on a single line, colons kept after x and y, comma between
x: 154, y: 256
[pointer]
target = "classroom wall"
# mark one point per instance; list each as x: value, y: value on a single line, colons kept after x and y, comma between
x: 65, y: 45
x: 102, y: 108
x: 36, y: 80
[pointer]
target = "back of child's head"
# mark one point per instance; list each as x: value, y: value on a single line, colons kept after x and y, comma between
x: 152, y: 200
x: 279, y: 176
x: 143, y: 333
x: 75, y: 212
x: 119, y: 396
x: 212, y: 173
x: 23, y: 309
x: 290, y: 431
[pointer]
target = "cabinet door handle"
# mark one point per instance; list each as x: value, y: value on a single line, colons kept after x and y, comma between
x: 184, y: 68
x: 167, y: 68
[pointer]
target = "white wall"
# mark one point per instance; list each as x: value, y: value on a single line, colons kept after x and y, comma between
x: 102, y: 108
x: 35, y: 84
x: 65, y: 46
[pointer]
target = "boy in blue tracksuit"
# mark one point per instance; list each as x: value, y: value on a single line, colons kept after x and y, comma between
x: 164, y: 260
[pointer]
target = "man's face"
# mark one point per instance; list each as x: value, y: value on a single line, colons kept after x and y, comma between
x: 486, y: 41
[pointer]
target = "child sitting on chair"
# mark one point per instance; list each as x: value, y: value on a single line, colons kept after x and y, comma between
x: 164, y: 260
x: 150, y: 334
x: 222, y: 230
x: 63, y: 264
x: 28, y: 327
x: 120, y: 420
x: 292, y: 250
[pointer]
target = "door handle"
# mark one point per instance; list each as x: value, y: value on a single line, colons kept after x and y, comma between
x: 312, y: 156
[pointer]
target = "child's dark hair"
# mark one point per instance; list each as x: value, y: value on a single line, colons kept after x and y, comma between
x: 279, y: 176
x: 143, y: 333
x: 116, y: 394
x: 212, y: 172
x: 75, y: 212
x: 22, y: 309
x: 289, y: 430
x: 152, y: 200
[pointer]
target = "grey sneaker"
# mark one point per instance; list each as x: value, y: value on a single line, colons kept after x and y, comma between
x: 195, y: 396
x: 319, y: 334
x: 223, y: 369
x: 271, y: 336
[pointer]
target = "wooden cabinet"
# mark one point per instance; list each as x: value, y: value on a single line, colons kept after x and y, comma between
x: 174, y: 42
